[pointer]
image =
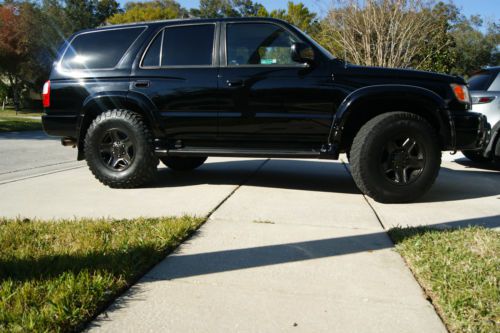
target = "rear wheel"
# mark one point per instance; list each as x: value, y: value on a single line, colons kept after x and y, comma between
x: 475, y: 156
x: 395, y: 157
x: 119, y: 150
x: 178, y: 163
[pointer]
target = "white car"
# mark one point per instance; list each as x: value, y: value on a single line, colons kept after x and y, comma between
x: 484, y: 87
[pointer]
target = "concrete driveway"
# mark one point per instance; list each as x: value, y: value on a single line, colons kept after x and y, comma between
x: 290, y: 244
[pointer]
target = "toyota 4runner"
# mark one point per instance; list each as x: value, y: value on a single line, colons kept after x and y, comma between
x: 181, y: 90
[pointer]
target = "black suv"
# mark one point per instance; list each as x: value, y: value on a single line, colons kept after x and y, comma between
x: 181, y: 90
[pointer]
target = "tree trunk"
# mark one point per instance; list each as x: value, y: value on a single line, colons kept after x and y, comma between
x: 15, y: 92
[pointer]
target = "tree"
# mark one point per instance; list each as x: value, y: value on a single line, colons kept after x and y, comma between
x: 474, y: 48
x: 216, y: 8
x: 19, y: 46
x: 149, y: 11
x: 227, y: 8
x: 246, y: 8
x: 105, y: 9
x: 298, y: 15
x: 85, y: 14
x: 389, y: 33
x: 438, y: 54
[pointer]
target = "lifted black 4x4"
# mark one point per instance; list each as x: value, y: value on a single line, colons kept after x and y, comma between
x: 182, y: 90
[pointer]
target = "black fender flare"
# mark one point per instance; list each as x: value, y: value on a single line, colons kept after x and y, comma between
x: 399, y: 93
x: 101, y: 102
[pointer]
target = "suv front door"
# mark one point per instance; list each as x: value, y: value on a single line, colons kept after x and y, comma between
x: 267, y: 97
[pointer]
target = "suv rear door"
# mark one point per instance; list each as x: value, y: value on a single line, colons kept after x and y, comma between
x: 178, y: 72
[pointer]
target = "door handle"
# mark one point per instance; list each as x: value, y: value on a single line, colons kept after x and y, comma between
x: 141, y: 84
x: 235, y: 83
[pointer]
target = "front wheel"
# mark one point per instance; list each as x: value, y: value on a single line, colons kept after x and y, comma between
x: 119, y: 150
x: 395, y: 157
x: 178, y: 163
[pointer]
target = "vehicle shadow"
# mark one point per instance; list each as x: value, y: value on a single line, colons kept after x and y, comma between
x: 485, y: 166
x: 320, y: 176
x: 323, y: 176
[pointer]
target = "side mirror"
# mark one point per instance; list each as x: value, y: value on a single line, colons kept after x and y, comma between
x: 302, y: 53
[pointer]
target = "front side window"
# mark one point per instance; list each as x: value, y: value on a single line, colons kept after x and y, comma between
x: 258, y: 44
x: 100, y: 49
x: 181, y: 46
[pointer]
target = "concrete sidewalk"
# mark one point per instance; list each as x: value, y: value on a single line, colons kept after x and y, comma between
x: 279, y: 257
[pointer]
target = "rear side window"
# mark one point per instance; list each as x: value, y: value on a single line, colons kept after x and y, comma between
x: 182, y: 46
x: 100, y: 49
x: 480, y: 81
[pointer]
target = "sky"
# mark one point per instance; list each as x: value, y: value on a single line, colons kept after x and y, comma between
x: 488, y: 9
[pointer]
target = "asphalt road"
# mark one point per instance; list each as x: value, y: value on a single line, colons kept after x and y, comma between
x: 28, y: 154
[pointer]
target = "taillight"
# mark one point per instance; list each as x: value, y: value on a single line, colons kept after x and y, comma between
x: 483, y: 100
x: 46, y: 94
x: 461, y: 93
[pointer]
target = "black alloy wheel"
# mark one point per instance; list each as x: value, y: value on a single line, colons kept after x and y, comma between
x: 117, y: 150
x: 403, y: 160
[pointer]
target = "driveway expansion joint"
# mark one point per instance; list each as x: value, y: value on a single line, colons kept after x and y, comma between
x: 245, y: 181
x: 38, y: 175
x: 366, y: 199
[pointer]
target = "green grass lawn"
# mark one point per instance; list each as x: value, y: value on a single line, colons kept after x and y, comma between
x: 58, y: 275
x: 22, y: 113
x: 10, y: 122
x: 460, y: 271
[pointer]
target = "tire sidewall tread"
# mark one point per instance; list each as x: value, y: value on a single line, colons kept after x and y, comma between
x: 144, y: 166
x: 365, y: 155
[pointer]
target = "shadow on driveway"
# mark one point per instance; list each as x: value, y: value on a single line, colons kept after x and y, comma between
x: 485, y: 166
x: 230, y: 260
x: 326, y: 176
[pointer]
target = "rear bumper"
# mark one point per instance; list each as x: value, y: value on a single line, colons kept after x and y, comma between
x: 470, y: 130
x: 64, y: 126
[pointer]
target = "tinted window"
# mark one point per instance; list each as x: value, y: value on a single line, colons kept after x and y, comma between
x: 152, y: 57
x: 188, y: 45
x: 480, y: 81
x: 495, y: 86
x: 258, y: 44
x: 100, y: 49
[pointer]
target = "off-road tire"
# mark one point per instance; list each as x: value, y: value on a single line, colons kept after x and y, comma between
x: 476, y: 156
x: 143, y: 167
x: 178, y: 163
x: 367, y: 151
